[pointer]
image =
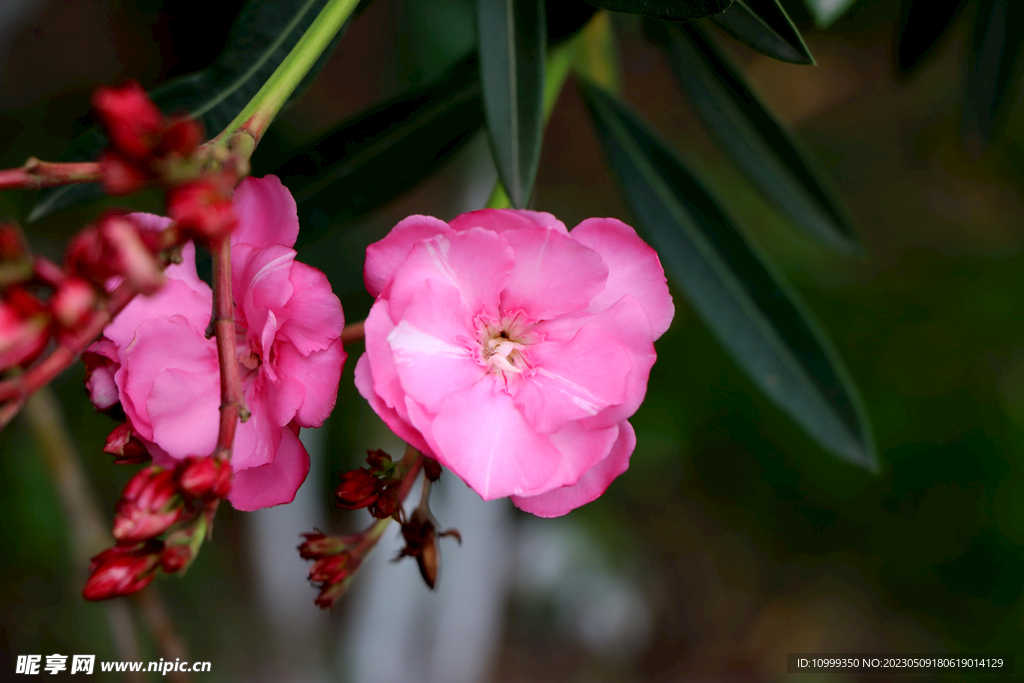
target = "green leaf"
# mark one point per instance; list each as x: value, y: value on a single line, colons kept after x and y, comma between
x: 380, y: 153
x: 923, y: 23
x: 672, y: 10
x: 262, y: 36
x: 763, y: 149
x: 764, y: 26
x: 511, y: 43
x: 826, y: 12
x: 754, y: 314
x: 994, y: 75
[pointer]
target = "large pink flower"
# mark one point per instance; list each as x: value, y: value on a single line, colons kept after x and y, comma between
x: 165, y: 372
x: 513, y: 350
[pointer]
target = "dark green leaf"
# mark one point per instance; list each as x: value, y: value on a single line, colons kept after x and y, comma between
x: 511, y: 40
x: 262, y: 36
x: 923, y: 23
x: 825, y: 12
x: 766, y: 152
x: 755, y: 315
x: 764, y: 26
x: 994, y: 75
x: 382, y: 152
x: 672, y: 10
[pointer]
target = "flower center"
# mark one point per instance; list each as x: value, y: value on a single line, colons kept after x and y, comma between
x: 503, y: 346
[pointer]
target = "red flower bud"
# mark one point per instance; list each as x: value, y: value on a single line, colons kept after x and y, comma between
x: 380, y: 463
x: 204, y: 478
x: 24, y: 328
x: 123, y: 175
x: 123, y: 443
x: 202, y: 207
x: 131, y: 120
x: 329, y: 595
x: 333, y: 568
x: 358, y: 489
x: 113, y: 247
x: 121, y: 571
x: 386, y: 503
x: 318, y: 545
x: 175, y: 558
x: 13, y: 245
x: 148, y: 507
x: 73, y: 302
x: 181, y: 136
x: 431, y: 469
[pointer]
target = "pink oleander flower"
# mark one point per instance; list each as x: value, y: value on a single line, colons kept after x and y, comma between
x: 512, y: 350
x: 156, y: 360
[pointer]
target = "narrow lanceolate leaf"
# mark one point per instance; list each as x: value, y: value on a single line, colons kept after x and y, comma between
x: 923, y: 23
x: 764, y: 150
x: 384, y: 151
x: 262, y: 36
x: 764, y: 26
x: 826, y: 12
x: 672, y: 10
x: 512, y: 37
x: 755, y: 315
x: 995, y: 72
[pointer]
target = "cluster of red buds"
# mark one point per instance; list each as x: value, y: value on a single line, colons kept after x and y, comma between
x: 115, y: 257
x: 176, y: 504
x: 374, y: 487
x: 336, y: 560
x: 379, y: 487
x: 147, y: 147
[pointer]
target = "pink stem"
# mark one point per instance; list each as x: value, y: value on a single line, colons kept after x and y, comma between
x: 232, y: 406
x: 36, y: 174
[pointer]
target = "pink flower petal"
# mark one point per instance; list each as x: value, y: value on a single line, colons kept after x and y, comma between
x: 319, y: 374
x: 553, y: 274
x: 184, y: 409
x: 256, y: 440
x: 488, y: 443
x: 277, y: 483
x: 364, y: 382
x: 573, y: 379
x: 633, y: 268
x: 384, y: 257
x: 627, y: 322
x: 432, y: 347
x: 316, y: 317
x: 261, y: 284
x: 267, y: 214
x: 378, y: 357
x: 590, y: 486
x: 476, y: 263
x: 500, y: 220
x: 160, y: 345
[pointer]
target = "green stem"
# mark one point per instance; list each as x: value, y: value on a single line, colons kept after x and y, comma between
x: 556, y: 70
x: 265, y: 105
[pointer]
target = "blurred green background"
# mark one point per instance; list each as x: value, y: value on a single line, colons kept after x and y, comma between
x: 745, y: 538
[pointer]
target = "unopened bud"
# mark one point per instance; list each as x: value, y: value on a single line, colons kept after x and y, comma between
x: 130, y: 119
x: 148, y: 507
x: 202, y: 208
x: 174, y: 558
x: 24, y: 328
x: 358, y: 489
x: 431, y: 469
x: 13, y: 245
x: 73, y: 302
x: 386, y: 503
x: 113, y: 247
x: 121, y: 571
x: 380, y: 464
x: 332, y: 569
x: 329, y: 595
x: 123, y: 175
x: 100, y: 365
x: 318, y: 545
x: 125, y: 446
x: 421, y: 536
x: 204, y: 478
